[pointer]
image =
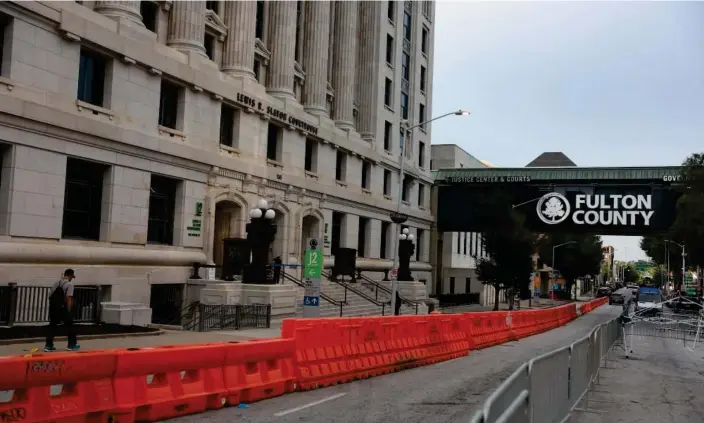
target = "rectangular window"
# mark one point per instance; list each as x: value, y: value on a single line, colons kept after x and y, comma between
x: 150, y: 14
x: 209, y: 42
x: 259, y: 26
x: 424, y: 41
x: 476, y: 243
x: 404, y: 105
x: 388, y: 92
x: 5, y: 21
x: 406, y: 188
x: 471, y: 244
x: 421, y: 115
x: 311, y: 164
x: 421, y: 195
x: 407, y: 26
x: 212, y: 5
x: 229, y: 122
x: 91, y: 77
x: 168, y: 104
x: 335, y: 237
x: 464, y: 251
x: 273, y: 142
x: 423, y: 80
x: 362, y: 237
x: 162, y: 207
x: 388, y: 128
x: 467, y: 285
x: 366, y: 174
x: 83, y: 197
x: 420, y: 242
x: 452, y: 285
x: 387, y: 182
x: 459, y: 242
x: 405, y: 66
x: 385, y: 226
x: 421, y: 154
x: 391, y: 10
x: 389, y: 49
x: 340, y: 166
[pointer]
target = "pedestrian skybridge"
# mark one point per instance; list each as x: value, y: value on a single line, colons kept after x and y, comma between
x: 604, y: 200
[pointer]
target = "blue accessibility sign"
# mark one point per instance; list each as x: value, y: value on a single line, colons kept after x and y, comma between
x: 311, y: 301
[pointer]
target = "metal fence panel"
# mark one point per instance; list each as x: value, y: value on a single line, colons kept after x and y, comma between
x: 518, y: 411
x: 501, y: 399
x: 580, y: 372
x: 549, y: 386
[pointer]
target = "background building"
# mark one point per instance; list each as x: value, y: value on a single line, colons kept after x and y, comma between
x: 458, y: 251
x: 136, y: 136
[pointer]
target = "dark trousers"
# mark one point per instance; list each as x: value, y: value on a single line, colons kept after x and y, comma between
x: 56, y: 317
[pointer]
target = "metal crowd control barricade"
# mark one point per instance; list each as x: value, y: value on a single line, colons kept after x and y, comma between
x: 548, y: 388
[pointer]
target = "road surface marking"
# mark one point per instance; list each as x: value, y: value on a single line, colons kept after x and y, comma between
x: 311, y: 404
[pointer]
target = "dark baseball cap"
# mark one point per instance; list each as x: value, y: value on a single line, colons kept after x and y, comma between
x: 68, y: 272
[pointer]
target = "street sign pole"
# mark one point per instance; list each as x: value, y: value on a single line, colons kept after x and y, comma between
x: 312, y: 273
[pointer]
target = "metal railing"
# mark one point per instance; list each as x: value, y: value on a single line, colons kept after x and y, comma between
x: 30, y: 304
x: 379, y: 287
x: 223, y: 317
x: 548, y: 388
x: 325, y: 297
x: 359, y: 293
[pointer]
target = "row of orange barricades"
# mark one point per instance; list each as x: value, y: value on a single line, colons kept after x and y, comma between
x: 591, y: 305
x: 150, y: 384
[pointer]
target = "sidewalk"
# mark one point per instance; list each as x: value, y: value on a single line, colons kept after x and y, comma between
x: 165, y: 337
x: 536, y: 304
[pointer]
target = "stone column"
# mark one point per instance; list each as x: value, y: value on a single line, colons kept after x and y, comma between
x: 345, y: 57
x: 241, y: 21
x: 315, y: 57
x: 368, y: 68
x: 187, y: 26
x: 282, y: 43
x: 120, y: 10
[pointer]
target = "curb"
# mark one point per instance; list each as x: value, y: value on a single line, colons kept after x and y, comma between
x: 98, y: 336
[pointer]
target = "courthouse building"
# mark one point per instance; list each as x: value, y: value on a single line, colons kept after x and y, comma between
x: 136, y: 136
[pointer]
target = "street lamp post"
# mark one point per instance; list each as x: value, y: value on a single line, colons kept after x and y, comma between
x: 684, y: 254
x: 552, y: 285
x: 397, y: 217
x: 260, y: 234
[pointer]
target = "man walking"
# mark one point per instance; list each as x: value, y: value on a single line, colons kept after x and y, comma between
x: 60, y: 304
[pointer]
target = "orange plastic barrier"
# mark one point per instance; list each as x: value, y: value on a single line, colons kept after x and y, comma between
x: 331, y: 351
x: 591, y: 305
x: 61, y: 387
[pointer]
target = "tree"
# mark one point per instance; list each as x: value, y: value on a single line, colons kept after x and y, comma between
x: 580, y: 255
x: 688, y: 228
x: 631, y: 274
x: 509, y: 248
x: 658, y: 250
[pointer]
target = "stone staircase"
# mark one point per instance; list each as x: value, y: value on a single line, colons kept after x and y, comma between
x: 356, y: 305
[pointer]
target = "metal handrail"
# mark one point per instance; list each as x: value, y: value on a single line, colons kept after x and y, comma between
x: 382, y: 304
x: 386, y: 290
x: 322, y: 295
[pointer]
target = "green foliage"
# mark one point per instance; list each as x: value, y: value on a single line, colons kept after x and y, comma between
x: 583, y: 256
x: 688, y: 228
x: 658, y: 250
x: 631, y: 274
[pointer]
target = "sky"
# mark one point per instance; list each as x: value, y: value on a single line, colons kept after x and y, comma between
x: 607, y: 83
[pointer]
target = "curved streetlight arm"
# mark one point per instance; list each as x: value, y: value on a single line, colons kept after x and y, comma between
x: 456, y: 113
x: 552, y: 285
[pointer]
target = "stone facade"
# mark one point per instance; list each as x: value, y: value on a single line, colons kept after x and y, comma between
x: 180, y: 109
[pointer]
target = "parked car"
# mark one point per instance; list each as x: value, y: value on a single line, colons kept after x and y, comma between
x: 616, y: 298
x: 603, y: 292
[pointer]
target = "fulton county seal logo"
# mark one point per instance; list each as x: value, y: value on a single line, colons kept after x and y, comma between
x: 553, y: 208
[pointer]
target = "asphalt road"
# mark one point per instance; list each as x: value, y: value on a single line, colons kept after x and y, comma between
x: 661, y: 381
x: 447, y: 392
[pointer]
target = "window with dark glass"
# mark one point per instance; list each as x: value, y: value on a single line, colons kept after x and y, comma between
x: 259, y: 27
x: 362, y: 236
x: 388, y: 128
x: 464, y: 251
x: 389, y: 49
x: 424, y: 41
x: 391, y: 10
x: 452, y: 284
x: 150, y: 13
x: 228, y: 121
x: 91, y: 77
x: 385, y: 226
x: 459, y: 242
x: 212, y: 5
x: 162, y: 207
x: 421, y: 154
x: 404, y: 105
x: 388, y: 92
x: 209, y: 42
x: 257, y: 70
x: 468, y: 285
x: 405, y: 66
x: 420, y: 240
x: 387, y: 182
x: 421, y: 195
x: 83, y: 197
x: 168, y: 104
x: 407, y: 26
x: 311, y: 159
x: 273, y: 142
x: 340, y: 165
x: 406, y: 188
x: 423, y: 80
x: 402, y: 140
x: 366, y: 174
x: 4, y: 24
x: 335, y: 238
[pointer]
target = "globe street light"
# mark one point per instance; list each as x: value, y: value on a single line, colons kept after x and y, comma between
x: 397, y: 217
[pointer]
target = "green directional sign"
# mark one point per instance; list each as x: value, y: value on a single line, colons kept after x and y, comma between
x: 312, y: 272
x: 689, y: 286
x: 313, y: 263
